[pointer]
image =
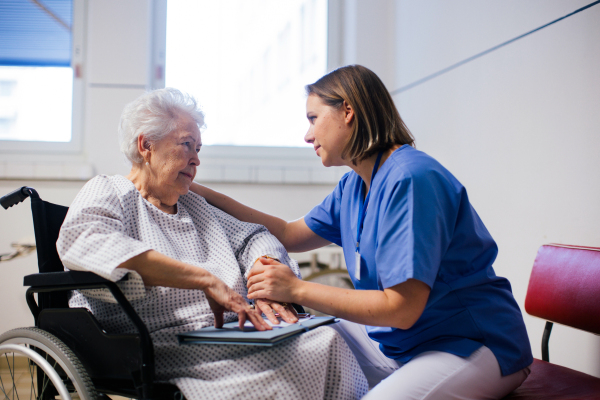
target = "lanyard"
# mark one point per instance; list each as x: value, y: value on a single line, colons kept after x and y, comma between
x: 362, y: 209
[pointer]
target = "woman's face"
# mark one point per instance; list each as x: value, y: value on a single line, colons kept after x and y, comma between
x: 329, y: 130
x: 174, y: 158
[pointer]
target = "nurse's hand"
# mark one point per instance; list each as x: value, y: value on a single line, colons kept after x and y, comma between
x: 285, y: 311
x: 272, y: 281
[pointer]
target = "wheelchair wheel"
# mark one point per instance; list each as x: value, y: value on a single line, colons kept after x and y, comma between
x: 36, y: 364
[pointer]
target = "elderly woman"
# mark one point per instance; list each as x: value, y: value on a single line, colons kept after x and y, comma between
x: 188, y: 264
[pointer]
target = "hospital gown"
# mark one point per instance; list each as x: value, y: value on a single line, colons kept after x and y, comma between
x: 110, y: 222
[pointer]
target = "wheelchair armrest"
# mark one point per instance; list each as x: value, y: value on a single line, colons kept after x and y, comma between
x: 65, y: 278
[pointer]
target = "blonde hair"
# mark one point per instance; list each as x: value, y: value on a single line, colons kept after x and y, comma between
x: 377, y: 124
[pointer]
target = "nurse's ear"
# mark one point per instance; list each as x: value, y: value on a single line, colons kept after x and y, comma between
x: 348, y: 113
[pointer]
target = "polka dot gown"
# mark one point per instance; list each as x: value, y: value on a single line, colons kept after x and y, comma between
x: 110, y: 222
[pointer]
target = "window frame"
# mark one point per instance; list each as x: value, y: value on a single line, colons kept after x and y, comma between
x: 265, y: 165
x: 22, y: 150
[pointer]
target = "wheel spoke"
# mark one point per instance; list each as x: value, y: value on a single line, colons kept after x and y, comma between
x: 2, y: 388
x: 5, y: 395
x: 46, y: 379
x: 11, y: 373
x: 44, y: 385
x: 32, y: 391
x: 14, y: 383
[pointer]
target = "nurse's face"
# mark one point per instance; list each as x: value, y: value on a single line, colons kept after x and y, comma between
x: 329, y: 131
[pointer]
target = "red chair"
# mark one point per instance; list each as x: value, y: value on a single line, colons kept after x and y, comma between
x: 564, y: 288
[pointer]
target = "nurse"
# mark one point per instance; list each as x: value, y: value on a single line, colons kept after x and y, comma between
x: 429, y: 318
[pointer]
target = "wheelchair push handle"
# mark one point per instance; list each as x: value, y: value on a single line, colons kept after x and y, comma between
x: 17, y: 196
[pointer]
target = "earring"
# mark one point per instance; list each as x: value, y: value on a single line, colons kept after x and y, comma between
x: 147, y: 163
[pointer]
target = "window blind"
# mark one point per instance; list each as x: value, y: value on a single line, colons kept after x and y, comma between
x: 35, y: 32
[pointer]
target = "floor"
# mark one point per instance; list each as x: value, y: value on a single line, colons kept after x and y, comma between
x: 22, y: 378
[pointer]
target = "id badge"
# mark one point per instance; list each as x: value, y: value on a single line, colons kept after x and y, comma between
x: 357, y: 265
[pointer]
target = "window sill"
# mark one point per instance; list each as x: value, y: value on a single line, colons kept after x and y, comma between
x: 218, y: 164
x: 265, y: 165
x: 46, y: 171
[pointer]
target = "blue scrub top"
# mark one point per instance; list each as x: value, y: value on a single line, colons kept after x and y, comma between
x: 420, y: 224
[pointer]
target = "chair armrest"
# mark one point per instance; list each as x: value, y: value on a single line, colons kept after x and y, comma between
x: 65, y: 278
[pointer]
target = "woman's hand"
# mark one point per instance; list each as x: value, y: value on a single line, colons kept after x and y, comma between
x: 272, y: 280
x: 269, y: 308
x: 222, y: 298
x: 156, y: 269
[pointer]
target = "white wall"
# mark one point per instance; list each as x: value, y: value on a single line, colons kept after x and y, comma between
x: 518, y: 127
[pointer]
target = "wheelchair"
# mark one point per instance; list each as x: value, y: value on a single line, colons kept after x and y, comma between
x: 68, y: 355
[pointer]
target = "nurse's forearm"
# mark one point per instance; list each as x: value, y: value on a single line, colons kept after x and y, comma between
x: 295, y: 236
x: 398, y: 307
x: 242, y: 212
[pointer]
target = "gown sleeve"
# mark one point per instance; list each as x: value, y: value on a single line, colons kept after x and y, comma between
x: 92, y: 238
x: 415, y: 229
x: 251, y: 241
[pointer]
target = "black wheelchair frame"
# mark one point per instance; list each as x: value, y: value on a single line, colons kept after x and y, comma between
x: 117, y: 364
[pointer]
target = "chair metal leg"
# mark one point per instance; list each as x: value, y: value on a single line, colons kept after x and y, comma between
x: 545, y: 340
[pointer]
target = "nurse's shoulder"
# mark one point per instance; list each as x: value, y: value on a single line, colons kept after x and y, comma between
x: 410, y: 166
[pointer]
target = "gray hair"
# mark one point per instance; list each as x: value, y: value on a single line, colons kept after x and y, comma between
x: 155, y: 114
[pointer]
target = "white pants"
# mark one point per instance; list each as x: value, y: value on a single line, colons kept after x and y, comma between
x: 430, y: 375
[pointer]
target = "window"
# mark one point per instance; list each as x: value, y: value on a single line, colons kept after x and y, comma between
x: 35, y: 103
x: 36, y: 76
x: 247, y: 64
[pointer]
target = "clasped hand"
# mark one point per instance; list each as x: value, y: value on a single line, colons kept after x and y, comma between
x: 271, y: 285
x: 222, y: 298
